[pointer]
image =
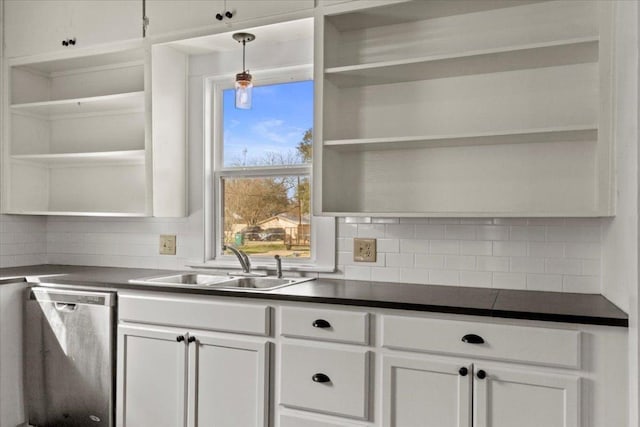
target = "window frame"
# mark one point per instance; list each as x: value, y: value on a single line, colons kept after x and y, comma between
x: 323, y: 229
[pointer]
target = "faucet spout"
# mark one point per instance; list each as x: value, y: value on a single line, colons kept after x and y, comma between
x: 245, y: 262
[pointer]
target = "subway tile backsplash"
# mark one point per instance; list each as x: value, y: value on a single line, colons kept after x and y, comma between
x: 555, y: 254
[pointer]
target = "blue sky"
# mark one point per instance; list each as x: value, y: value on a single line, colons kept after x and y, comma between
x: 275, y: 124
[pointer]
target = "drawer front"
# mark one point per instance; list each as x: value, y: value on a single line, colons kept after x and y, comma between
x: 326, y: 325
x: 196, y: 313
x: 540, y: 346
x: 343, y: 391
x: 294, y: 421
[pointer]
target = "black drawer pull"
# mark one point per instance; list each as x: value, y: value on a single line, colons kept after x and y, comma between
x: 320, y: 378
x: 180, y: 338
x: 472, y: 339
x: 463, y: 371
x: 481, y: 374
x: 191, y: 339
x: 321, y: 323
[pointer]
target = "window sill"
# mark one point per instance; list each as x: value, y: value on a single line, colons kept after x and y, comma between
x: 258, y: 266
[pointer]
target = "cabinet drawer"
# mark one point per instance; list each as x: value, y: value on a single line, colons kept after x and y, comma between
x: 326, y: 325
x: 345, y: 387
x: 541, y: 346
x: 196, y: 313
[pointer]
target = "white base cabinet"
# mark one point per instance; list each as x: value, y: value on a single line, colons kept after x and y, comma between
x: 177, y: 377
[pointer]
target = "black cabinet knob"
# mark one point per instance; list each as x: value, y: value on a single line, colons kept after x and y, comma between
x: 65, y: 43
x: 463, y: 371
x: 219, y: 16
x: 320, y: 378
x: 180, y: 338
x: 472, y: 339
x: 321, y: 323
x: 228, y: 14
x: 72, y: 41
x: 481, y: 374
x: 191, y: 339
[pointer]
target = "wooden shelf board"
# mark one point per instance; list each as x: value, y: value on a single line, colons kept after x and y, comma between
x: 125, y: 156
x: 555, y: 134
x: 536, y: 55
x: 71, y: 213
x: 94, y: 104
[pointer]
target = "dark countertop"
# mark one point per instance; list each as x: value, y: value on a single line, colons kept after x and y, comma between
x: 532, y: 305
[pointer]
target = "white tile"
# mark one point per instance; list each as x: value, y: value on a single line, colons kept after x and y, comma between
x: 591, y: 267
x: 344, y: 244
x: 460, y: 262
x: 492, y: 232
x: 371, y: 231
x: 460, y: 232
x: 429, y: 231
x: 546, y: 249
x: 583, y: 250
x: 509, y: 280
x: 414, y: 220
x: 581, y: 284
x: 414, y: 275
x: 509, y: 248
x: 510, y: 221
x: 388, y: 245
x: 475, y: 247
x: 544, y: 282
x: 444, y: 221
x: 357, y: 220
x: 444, y: 277
x: 385, y: 220
x: 385, y: 274
x: 400, y: 231
x: 485, y: 221
x: 527, y: 265
x: 414, y: 246
x: 529, y: 233
x: 399, y: 260
x: 429, y: 261
x: 444, y: 247
x: 354, y: 272
x: 487, y: 263
x: 476, y: 278
x: 564, y: 266
x: 347, y: 230
x: 574, y: 233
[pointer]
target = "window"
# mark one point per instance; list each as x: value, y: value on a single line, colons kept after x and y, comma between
x: 260, y: 175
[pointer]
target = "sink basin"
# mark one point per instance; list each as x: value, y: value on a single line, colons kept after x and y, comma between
x: 258, y: 283
x: 195, y: 279
x: 221, y: 282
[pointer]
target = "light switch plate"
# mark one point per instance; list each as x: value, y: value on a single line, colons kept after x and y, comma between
x: 167, y: 244
x: 364, y: 250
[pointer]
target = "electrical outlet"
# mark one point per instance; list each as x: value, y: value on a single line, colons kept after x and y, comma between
x: 167, y: 244
x: 364, y: 250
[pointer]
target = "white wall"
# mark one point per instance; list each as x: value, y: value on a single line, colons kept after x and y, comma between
x: 22, y: 240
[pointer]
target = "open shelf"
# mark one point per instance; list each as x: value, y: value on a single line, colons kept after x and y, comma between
x: 104, y: 157
x: 529, y: 56
x: 130, y: 101
x: 567, y: 133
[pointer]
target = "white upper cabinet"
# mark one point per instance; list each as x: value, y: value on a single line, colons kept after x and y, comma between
x: 465, y: 108
x: 166, y: 16
x: 35, y: 27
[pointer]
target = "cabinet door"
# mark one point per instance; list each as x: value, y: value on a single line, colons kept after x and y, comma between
x: 34, y: 26
x: 505, y: 398
x: 422, y: 392
x: 228, y: 381
x: 151, y: 378
x: 168, y: 16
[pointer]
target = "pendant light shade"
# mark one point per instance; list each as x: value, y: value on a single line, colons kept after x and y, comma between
x: 244, y: 83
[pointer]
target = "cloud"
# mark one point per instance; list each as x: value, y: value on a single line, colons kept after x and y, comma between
x: 276, y: 130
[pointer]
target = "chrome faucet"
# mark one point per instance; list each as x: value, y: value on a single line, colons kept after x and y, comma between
x: 278, y: 266
x: 245, y: 262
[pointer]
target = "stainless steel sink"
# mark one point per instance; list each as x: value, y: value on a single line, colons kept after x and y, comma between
x: 221, y: 282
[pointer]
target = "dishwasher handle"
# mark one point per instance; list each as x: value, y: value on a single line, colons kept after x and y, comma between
x: 68, y: 299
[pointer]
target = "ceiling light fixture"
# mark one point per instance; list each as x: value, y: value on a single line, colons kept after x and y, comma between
x: 244, y: 85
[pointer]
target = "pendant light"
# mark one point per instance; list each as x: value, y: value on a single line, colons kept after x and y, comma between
x: 244, y: 85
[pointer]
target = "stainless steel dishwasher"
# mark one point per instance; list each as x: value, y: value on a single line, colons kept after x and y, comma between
x: 69, y: 357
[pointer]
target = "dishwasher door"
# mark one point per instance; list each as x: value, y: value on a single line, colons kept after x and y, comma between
x: 69, y: 358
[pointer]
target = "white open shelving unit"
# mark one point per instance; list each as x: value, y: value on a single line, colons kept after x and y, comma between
x: 76, y: 140
x: 466, y: 108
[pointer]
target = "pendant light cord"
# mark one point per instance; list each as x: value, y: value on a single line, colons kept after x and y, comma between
x: 244, y: 43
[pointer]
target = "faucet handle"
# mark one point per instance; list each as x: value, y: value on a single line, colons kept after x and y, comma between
x: 278, y: 266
